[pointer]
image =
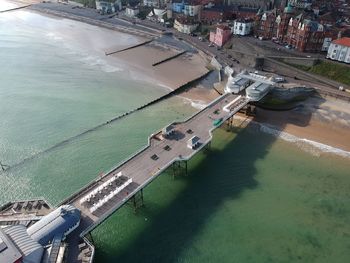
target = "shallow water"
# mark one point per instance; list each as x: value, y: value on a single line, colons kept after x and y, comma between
x: 51, y: 90
x: 251, y: 198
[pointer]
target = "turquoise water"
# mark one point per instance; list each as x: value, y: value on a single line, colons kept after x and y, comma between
x: 51, y: 90
x: 251, y: 198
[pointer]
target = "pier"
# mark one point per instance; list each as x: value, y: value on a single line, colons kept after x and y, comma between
x: 176, y: 143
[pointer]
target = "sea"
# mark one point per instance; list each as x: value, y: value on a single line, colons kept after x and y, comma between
x: 252, y: 197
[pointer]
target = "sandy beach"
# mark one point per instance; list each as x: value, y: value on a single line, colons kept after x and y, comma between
x: 319, y: 120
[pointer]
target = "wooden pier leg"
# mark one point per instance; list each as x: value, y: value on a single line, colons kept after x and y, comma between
x: 134, y: 202
x: 91, y: 239
x: 142, y: 203
x: 173, y: 170
x: 186, y: 171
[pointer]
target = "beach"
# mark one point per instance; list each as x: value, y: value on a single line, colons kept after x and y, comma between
x: 323, y: 121
x: 282, y: 177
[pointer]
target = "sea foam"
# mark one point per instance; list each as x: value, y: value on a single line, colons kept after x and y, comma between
x: 310, y: 146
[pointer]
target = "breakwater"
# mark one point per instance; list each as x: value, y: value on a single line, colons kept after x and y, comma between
x: 127, y: 48
x: 169, y: 58
x: 110, y: 121
x: 14, y: 9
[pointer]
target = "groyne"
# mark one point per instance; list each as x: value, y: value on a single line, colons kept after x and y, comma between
x: 130, y: 47
x: 119, y: 117
x: 169, y: 58
x: 14, y: 9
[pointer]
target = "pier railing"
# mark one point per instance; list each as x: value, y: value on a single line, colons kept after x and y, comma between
x: 155, y: 175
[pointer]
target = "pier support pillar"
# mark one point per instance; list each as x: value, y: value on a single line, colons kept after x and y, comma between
x: 137, y: 200
x: 230, y: 124
x: 178, y: 167
x: 90, y: 237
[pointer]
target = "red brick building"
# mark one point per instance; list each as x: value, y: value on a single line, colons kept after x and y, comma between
x: 308, y: 36
x: 281, y: 24
x: 215, y: 14
x: 264, y: 24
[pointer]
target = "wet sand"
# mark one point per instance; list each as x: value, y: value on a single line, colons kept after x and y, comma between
x: 173, y: 73
x: 319, y: 120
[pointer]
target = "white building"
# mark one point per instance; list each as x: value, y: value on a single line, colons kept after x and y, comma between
x: 242, y: 27
x: 153, y: 3
x: 340, y: 50
x: 131, y: 11
x: 193, y: 142
x: 326, y: 44
x: 105, y: 7
x: 157, y: 14
x: 185, y: 26
x: 191, y: 9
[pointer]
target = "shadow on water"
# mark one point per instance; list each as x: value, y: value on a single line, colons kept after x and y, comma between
x: 223, y: 173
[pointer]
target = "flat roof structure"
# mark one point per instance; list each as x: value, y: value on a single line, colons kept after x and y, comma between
x: 8, y: 251
x: 60, y: 221
x: 237, y: 83
x: 257, y: 86
x: 257, y: 90
x: 30, y: 250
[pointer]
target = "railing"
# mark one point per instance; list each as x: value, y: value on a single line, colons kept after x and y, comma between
x: 155, y: 175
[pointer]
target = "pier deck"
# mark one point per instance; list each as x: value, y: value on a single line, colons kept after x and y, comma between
x: 142, y: 169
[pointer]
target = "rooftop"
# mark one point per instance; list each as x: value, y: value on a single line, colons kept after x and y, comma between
x: 8, y: 251
x: 31, y: 250
x: 345, y: 41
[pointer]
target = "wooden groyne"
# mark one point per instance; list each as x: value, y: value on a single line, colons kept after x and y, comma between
x: 169, y: 58
x: 127, y: 48
x: 64, y: 142
x: 14, y: 9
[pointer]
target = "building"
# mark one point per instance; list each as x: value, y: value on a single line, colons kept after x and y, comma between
x: 301, y: 4
x: 305, y: 35
x: 256, y: 86
x: 265, y: 25
x: 340, y: 50
x: 237, y: 84
x: 106, y: 7
x: 221, y: 36
x: 265, y: 4
x: 281, y: 23
x: 191, y: 9
x: 178, y: 6
x: 242, y: 27
x: 153, y: 3
x: 63, y: 220
x: 132, y: 11
x: 16, y: 246
x: 215, y: 14
x: 184, y: 25
x: 257, y: 91
x: 193, y: 142
x: 168, y: 130
x: 157, y: 15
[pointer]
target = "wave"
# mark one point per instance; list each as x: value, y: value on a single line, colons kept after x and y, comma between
x: 84, y: 56
x: 197, y: 104
x: 101, y: 63
x: 310, y: 146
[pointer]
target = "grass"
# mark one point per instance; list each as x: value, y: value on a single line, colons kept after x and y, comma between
x: 333, y: 71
